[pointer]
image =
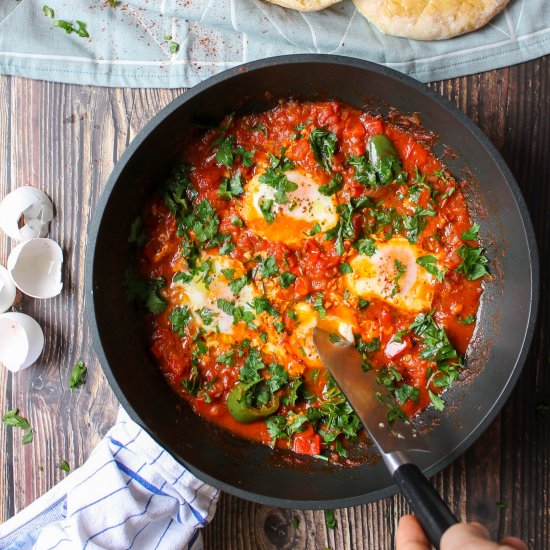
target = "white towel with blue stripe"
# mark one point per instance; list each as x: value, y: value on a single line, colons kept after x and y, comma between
x: 130, y: 493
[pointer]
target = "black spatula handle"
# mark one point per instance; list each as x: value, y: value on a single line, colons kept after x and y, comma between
x: 432, y: 513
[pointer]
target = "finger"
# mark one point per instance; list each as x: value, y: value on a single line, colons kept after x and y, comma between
x: 410, y: 535
x: 514, y: 542
x: 467, y: 536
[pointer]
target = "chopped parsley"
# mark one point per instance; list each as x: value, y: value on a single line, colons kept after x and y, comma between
x: 437, y: 402
x: 179, y: 319
x: 415, y: 223
x: 230, y: 188
x: 145, y: 292
x: 238, y: 284
x: 137, y: 233
x: 275, y: 177
x: 345, y: 268
x: 407, y: 392
x: 315, y: 229
x: 364, y: 171
x: 286, y: 279
x: 318, y: 305
x: 63, y: 465
x: 469, y: 320
x: 330, y: 520
x: 268, y: 267
x: 69, y: 27
x: 78, y: 375
x: 323, y: 145
x: 474, y: 264
x: 401, y: 269
x: 366, y: 246
x: 472, y: 233
x: 174, y: 47
x: 344, y: 229
x: 203, y: 222
x: 436, y: 345
x: 224, y: 154
x: 429, y: 263
x: 48, y: 12
x: 226, y: 358
x: 335, y: 184
x: 207, y: 315
x: 266, y: 206
x: 13, y: 419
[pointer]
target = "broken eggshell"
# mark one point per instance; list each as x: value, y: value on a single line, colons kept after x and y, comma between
x: 26, y: 213
x: 7, y: 290
x: 35, y: 268
x: 21, y: 341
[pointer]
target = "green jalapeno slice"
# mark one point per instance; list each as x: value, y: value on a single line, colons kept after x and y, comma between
x: 240, y: 403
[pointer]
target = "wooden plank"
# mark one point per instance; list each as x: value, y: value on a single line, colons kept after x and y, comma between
x: 66, y: 140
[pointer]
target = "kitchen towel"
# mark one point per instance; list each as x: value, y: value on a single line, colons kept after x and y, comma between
x: 130, y: 493
x: 178, y: 43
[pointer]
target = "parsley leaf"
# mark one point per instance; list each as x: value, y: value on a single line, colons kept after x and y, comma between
x: 63, y: 465
x: 286, y: 279
x: 470, y: 319
x: 401, y: 269
x: 364, y: 171
x: 407, y: 392
x: 177, y: 190
x: 229, y: 274
x: 429, y: 263
x: 247, y: 157
x: 366, y: 246
x: 318, y: 305
x: 13, y: 419
x: 179, y: 318
x: 78, y: 375
x: 203, y: 221
x: 174, y: 47
x: 345, y: 268
x: 344, y: 229
x: 268, y: 267
x: 323, y: 145
x: 437, y: 402
x: 416, y: 223
x: 436, y: 345
x: 472, y: 233
x: 275, y: 177
x: 474, y: 265
x: 137, y: 233
x: 224, y: 154
x: 330, y: 520
x: 230, y: 188
x: 226, y: 358
x: 48, y: 12
x: 238, y: 284
x: 335, y: 184
x: 315, y: 229
x: 266, y: 206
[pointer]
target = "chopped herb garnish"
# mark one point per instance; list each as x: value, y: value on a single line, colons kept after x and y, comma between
x: 69, y: 27
x: 335, y: 184
x: 436, y: 345
x: 295, y: 522
x: 13, y: 419
x: 174, y: 47
x: 247, y: 157
x: 344, y: 229
x: 63, y: 465
x: 345, y: 268
x: 366, y: 246
x: 407, y: 392
x: 416, y: 223
x: 275, y: 177
x: 78, y: 375
x: 364, y: 171
x: 323, y: 145
x: 474, y: 264
x: 286, y: 279
x: 266, y: 206
x: 224, y: 154
x: 429, y: 263
x: 236, y: 221
x: 319, y: 306
x: 226, y: 358
x: 137, y: 233
x: 48, y: 12
x: 259, y: 128
x: 330, y: 520
x: 230, y: 188
x: 238, y: 284
x: 363, y: 303
x: 204, y: 223
x: 502, y: 505
x: 179, y: 318
x: 314, y: 230
x: 229, y: 274
x: 437, y: 402
x: 207, y: 315
x: 472, y: 233
x: 268, y: 267
x: 401, y: 269
x: 470, y: 319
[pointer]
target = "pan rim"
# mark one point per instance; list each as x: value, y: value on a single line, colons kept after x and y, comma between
x: 476, y: 133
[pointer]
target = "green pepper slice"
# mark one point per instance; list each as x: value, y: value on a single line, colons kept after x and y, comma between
x: 384, y: 158
x: 241, y: 409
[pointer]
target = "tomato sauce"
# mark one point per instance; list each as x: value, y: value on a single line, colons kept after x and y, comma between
x: 297, y: 265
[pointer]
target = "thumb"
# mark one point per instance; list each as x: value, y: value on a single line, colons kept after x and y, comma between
x: 467, y: 536
x: 410, y: 535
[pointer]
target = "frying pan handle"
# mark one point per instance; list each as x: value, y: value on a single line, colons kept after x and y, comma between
x: 432, y: 513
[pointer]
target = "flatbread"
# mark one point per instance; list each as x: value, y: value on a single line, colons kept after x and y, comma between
x: 429, y: 19
x: 305, y: 5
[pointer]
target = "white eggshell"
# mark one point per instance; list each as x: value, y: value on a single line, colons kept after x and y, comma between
x: 7, y: 290
x: 21, y: 341
x: 35, y: 268
x: 26, y: 213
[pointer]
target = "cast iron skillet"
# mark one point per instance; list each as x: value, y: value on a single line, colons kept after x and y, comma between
x: 496, y: 355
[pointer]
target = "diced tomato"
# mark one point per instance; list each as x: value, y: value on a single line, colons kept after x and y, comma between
x: 306, y: 443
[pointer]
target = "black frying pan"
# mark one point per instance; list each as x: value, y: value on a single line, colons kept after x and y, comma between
x: 496, y: 354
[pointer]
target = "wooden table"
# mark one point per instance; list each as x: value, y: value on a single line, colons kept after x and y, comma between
x: 66, y: 139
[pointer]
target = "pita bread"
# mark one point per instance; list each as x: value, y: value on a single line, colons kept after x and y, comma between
x: 305, y: 5
x: 429, y: 19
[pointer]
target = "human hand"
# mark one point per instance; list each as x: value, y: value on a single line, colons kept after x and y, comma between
x: 462, y: 536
